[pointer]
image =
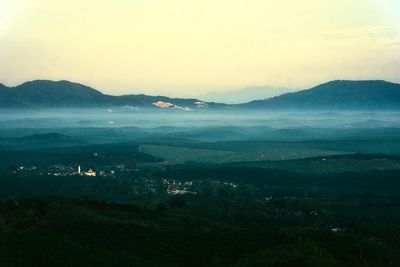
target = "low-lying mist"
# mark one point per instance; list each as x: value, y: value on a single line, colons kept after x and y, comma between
x: 151, y: 118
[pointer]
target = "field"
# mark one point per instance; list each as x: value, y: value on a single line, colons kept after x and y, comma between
x: 179, y: 155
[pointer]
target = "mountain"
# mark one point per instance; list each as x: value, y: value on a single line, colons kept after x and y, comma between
x: 246, y: 94
x: 339, y: 94
x: 334, y: 95
x: 53, y: 94
x: 43, y: 93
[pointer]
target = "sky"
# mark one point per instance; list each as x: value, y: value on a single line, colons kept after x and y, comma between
x: 191, y: 47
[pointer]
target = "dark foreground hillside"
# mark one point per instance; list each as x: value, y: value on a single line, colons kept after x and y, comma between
x: 61, y: 232
x: 230, y: 216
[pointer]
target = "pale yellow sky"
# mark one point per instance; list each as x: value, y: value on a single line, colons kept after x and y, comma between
x: 187, y: 47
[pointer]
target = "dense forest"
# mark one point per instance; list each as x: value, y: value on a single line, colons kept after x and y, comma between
x: 236, y: 217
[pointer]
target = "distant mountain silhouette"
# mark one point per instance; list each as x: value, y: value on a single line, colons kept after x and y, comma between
x: 347, y: 95
x: 52, y: 94
x: 245, y: 95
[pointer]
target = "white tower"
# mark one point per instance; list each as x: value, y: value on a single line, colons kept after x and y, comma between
x: 79, y: 169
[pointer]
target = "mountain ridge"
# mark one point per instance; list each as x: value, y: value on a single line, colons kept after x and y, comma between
x: 337, y: 94
x: 53, y: 94
x: 332, y: 95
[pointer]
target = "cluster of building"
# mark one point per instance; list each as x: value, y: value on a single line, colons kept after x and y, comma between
x: 178, y: 188
x: 89, y: 172
x: 61, y: 170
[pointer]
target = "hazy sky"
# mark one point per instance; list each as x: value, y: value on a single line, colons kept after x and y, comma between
x: 189, y: 47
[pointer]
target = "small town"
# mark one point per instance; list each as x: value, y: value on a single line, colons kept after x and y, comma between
x: 140, y: 180
x: 65, y: 170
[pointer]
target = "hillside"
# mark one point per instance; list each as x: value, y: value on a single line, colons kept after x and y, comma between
x: 349, y: 95
x: 54, y: 94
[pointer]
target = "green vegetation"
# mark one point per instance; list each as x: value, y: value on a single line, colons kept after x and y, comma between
x: 62, y: 232
x: 330, y: 164
x: 183, y: 154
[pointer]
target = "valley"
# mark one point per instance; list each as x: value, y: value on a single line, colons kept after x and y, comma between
x: 153, y: 186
